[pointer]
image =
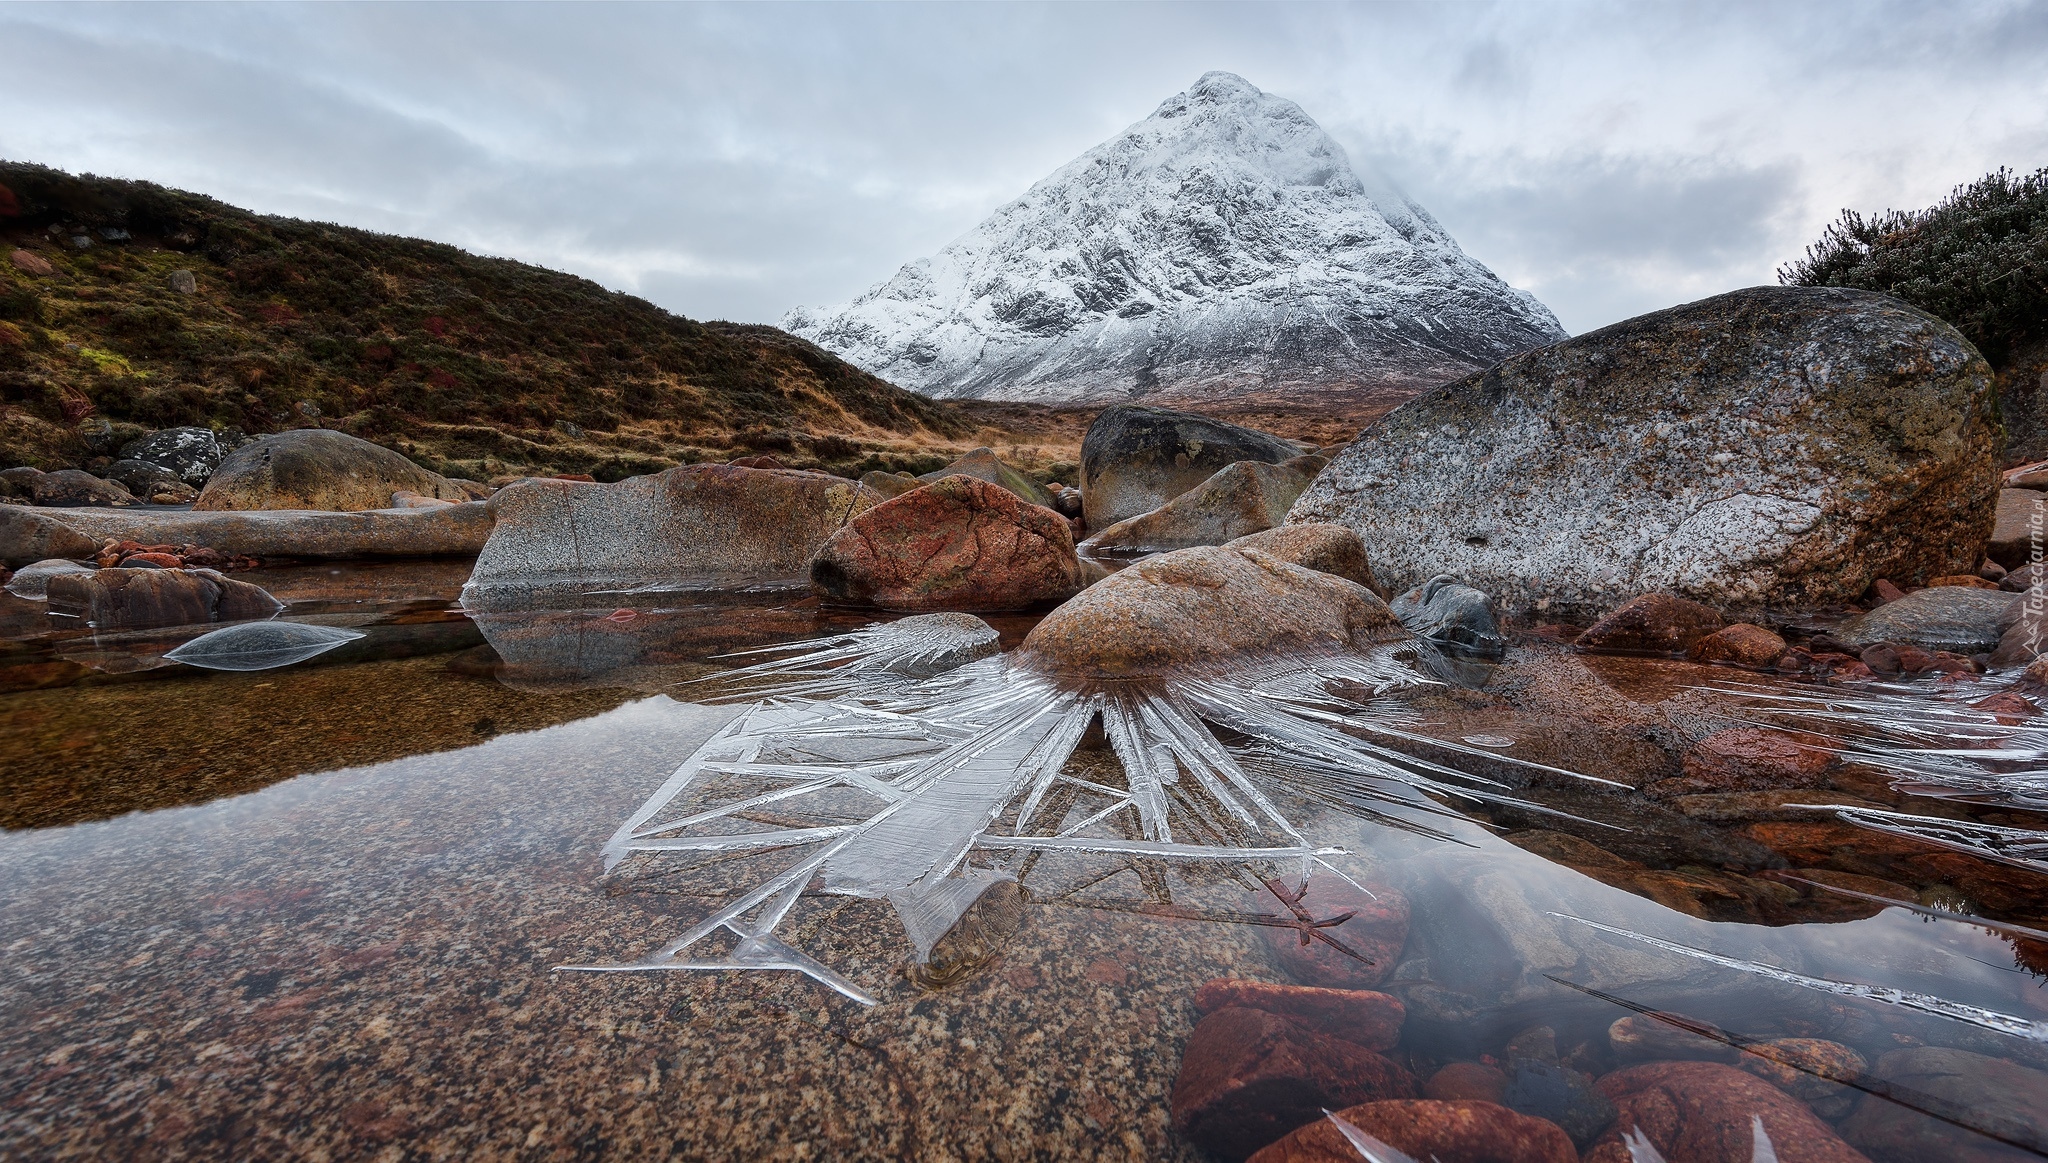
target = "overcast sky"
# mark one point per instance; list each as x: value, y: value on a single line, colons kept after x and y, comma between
x: 733, y: 162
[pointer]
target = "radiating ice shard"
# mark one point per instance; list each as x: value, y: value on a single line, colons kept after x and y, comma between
x: 2019, y: 847
x: 906, y: 763
x: 260, y: 645
x: 1640, y: 1149
x: 1955, y: 1011
x: 1761, y: 1150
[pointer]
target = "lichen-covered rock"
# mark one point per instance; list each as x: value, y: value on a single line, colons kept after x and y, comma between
x: 1654, y: 622
x: 1447, y: 1131
x: 694, y: 526
x: 1242, y: 498
x: 70, y: 486
x: 890, y: 484
x: 1362, y: 1016
x: 984, y: 465
x: 1777, y: 446
x: 2003, y: 1097
x: 1248, y: 1077
x: 1452, y: 615
x: 190, y: 454
x: 959, y: 543
x: 112, y: 599
x: 1205, y: 605
x: 1136, y: 458
x: 1322, y: 547
x: 1700, y: 1112
x: 1954, y: 618
x: 313, y: 468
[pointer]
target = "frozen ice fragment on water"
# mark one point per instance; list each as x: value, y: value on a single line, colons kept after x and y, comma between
x: 1761, y: 1150
x: 1369, y: 1148
x: 1489, y: 741
x: 261, y: 645
x: 1640, y: 1149
x: 33, y: 581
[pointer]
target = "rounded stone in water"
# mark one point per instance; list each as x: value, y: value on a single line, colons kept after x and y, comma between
x: 261, y: 645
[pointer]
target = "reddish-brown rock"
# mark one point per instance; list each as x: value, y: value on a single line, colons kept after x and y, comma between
x: 1372, y: 936
x: 1248, y: 1077
x: 151, y: 561
x: 1467, y: 1082
x: 1999, y: 1096
x: 1327, y: 548
x: 1751, y: 759
x: 1885, y: 592
x: 768, y: 462
x: 1964, y: 579
x: 119, y: 598
x: 1662, y: 1036
x: 31, y: 262
x: 958, y: 543
x: 1700, y: 1112
x: 1450, y: 1132
x: 1812, y: 1070
x: 1742, y: 644
x: 1370, y: 1019
x: 1654, y: 622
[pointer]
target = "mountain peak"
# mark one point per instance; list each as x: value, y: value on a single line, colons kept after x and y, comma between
x: 1223, y: 244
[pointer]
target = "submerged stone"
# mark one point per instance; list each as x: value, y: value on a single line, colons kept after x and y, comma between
x: 1453, y: 1131
x: 1693, y: 1112
x: 1247, y: 1077
x: 261, y: 645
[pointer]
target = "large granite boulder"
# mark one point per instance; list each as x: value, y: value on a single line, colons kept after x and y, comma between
x: 959, y: 543
x: 190, y: 454
x: 1135, y: 459
x: 444, y: 531
x: 114, y: 599
x: 2019, y: 535
x: 1780, y: 446
x: 28, y: 536
x: 1202, y: 606
x: 1326, y: 548
x: 709, y: 526
x: 313, y: 468
x: 1242, y: 498
x: 984, y: 465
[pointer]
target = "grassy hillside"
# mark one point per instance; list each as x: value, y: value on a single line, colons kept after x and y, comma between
x: 472, y: 366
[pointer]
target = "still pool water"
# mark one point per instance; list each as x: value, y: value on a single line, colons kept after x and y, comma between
x: 316, y: 912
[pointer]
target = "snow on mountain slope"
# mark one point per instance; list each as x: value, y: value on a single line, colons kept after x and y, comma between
x: 1220, y: 247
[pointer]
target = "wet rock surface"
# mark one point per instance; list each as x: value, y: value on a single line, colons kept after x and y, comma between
x: 1449, y: 1131
x: 317, y: 469
x: 1241, y: 499
x: 1953, y: 618
x: 698, y: 525
x: 1363, y: 1017
x: 1989, y: 1094
x: 1136, y: 458
x: 1358, y: 951
x: 1701, y: 1112
x: 1742, y: 644
x: 1452, y: 615
x: 121, y: 598
x: 1197, y: 606
x: 957, y: 544
x: 1324, y: 548
x: 1248, y: 1077
x: 1759, y: 448
x: 1660, y: 623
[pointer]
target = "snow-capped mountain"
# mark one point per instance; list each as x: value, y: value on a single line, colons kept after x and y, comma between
x: 1221, y: 246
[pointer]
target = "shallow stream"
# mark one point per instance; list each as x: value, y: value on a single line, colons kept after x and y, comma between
x: 318, y: 911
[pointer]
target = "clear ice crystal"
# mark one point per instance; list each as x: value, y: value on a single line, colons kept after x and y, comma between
x: 1978, y: 1016
x: 1371, y: 1149
x: 911, y: 763
x: 261, y: 645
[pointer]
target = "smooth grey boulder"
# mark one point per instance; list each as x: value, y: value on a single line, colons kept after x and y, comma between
x: 74, y: 487
x: 1135, y: 458
x: 1959, y: 619
x: 984, y: 465
x: 1324, y: 548
x: 313, y: 468
x: 709, y: 526
x: 190, y: 454
x: 1241, y: 499
x: 149, y: 481
x: 1452, y: 615
x: 1772, y: 447
x: 19, y: 481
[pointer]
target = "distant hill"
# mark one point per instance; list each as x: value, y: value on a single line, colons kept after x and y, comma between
x: 473, y: 366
